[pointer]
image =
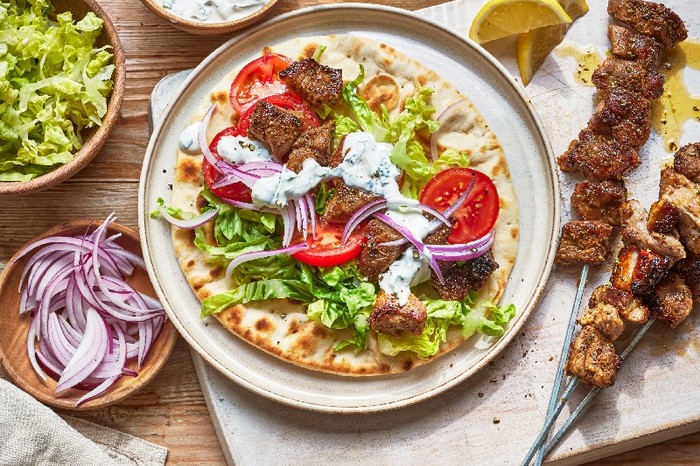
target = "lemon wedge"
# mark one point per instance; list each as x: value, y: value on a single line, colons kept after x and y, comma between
x: 503, y: 18
x: 534, y: 46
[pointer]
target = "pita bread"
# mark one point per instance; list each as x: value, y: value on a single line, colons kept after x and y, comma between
x: 280, y: 327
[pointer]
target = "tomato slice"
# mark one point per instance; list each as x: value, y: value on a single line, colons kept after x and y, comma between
x: 235, y: 191
x: 257, y: 80
x: 287, y: 101
x: 327, y: 248
x: 479, y: 212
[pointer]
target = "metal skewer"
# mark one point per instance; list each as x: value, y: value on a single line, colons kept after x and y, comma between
x: 593, y: 392
x: 564, y: 354
x: 552, y: 411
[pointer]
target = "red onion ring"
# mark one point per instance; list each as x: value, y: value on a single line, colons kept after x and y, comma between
x: 249, y: 256
x: 441, y: 119
x: 189, y: 224
x: 363, y: 213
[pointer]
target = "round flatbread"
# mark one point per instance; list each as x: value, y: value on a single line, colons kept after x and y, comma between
x: 280, y: 327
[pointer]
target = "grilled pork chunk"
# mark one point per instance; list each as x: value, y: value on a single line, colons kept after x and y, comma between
x: 275, y: 127
x: 630, y: 45
x: 689, y: 270
x: 630, y: 307
x: 599, y: 201
x: 671, y: 300
x: 317, y: 84
x: 685, y: 196
x: 651, y: 19
x: 389, y: 317
x: 618, y: 73
x: 663, y: 217
x: 635, y: 231
x: 686, y: 161
x: 584, y: 242
x: 593, y: 358
x: 598, y: 157
x: 345, y: 202
x: 460, y: 277
x: 637, y: 270
x: 624, y: 114
x: 605, y: 319
x: 314, y: 143
x: 374, y: 259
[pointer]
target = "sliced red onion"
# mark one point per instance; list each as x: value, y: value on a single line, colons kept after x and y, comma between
x: 434, y: 213
x: 240, y: 205
x: 202, y: 136
x: 460, y: 200
x: 289, y: 221
x: 191, y: 223
x: 441, y: 119
x: 477, y: 243
x: 467, y: 254
x: 312, y: 213
x: 415, y: 241
x: 249, y: 256
x: 365, y: 212
x: 87, y: 319
x: 261, y: 167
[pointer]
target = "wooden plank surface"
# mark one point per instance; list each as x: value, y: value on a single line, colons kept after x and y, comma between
x: 171, y: 410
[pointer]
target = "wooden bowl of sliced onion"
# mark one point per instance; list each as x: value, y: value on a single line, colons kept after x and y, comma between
x: 80, y: 327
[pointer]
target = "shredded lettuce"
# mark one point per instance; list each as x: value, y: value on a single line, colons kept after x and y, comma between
x: 53, y: 84
x: 484, y: 318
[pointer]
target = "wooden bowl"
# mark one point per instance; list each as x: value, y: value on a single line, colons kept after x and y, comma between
x: 208, y: 29
x: 93, y: 138
x: 14, y: 328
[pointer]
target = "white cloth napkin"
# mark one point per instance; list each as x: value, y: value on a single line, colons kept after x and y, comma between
x: 32, y: 434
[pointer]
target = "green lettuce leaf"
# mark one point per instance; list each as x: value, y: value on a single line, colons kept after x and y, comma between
x: 53, y: 84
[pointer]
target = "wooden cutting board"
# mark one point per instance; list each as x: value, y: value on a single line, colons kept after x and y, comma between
x: 493, y: 417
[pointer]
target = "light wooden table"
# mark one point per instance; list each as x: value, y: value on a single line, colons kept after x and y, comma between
x: 171, y: 410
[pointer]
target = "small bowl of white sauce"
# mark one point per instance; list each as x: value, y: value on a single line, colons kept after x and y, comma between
x: 210, y: 17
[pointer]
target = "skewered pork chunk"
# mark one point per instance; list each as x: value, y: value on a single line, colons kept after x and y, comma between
x: 313, y: 143
x: 630, y: 307
x: 624, y: 114
x: 663, y: 217
x: 389, y: 317
x: 598, y: 157
x: 584, y: 242
x: 599, y: 201
x: 671, y: 300
x: 460, y: 277
x: 317, y: 84
x: 685, y: 196
x: 275, y: 127
x: 593, y: 358
x: 605, y: 319
x: 689, y: 270
x: 374, y: 259
x: 651, y: 19
x: 618, y: 73
x: 635, y: 231
x: 345, y: 202
x: 686, y: 161
x: 637, y: 270
x: 630, y: 45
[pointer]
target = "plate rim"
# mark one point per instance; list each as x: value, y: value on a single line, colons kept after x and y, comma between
x: 435, y: 390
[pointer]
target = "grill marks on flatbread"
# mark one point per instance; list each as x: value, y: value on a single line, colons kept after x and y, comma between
x: 280, y: 327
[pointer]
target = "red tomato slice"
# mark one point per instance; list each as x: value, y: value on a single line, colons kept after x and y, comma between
x: 327, y: 249
x: 290, y: 102
x: 257, y: 80
x: 236, y: 191
x: 479, y: 212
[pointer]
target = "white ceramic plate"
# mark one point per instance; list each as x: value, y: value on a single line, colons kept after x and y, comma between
x: 506, y: 109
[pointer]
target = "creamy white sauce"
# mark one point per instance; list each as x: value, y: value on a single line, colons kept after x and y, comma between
x: 189, y: 141
x: 408, y: 270
x: 212, y: 11
x: 240, y: 149
x: 279, y: 189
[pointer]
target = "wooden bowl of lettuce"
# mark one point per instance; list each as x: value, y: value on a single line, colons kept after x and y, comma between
x: 62, y: 78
